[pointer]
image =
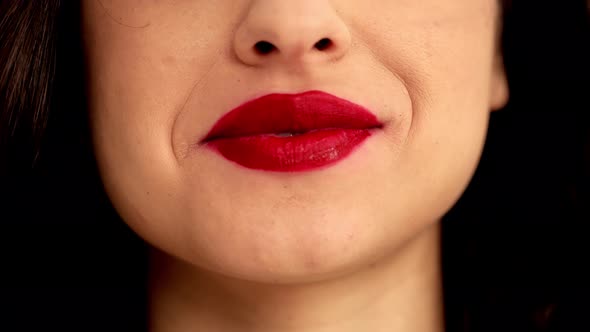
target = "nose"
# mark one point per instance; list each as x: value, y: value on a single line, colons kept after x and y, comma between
x: 290, y: 32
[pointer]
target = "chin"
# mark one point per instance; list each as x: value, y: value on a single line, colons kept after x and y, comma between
x: 291, y: 247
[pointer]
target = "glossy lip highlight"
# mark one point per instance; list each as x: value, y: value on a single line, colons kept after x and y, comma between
x: 291, y: 132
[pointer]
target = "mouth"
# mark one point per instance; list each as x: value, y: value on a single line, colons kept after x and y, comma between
x: 291, y: 132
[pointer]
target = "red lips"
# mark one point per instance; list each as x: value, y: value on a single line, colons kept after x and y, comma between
x: 291, y: 132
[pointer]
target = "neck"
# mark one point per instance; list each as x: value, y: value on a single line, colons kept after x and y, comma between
x: 402, y: 292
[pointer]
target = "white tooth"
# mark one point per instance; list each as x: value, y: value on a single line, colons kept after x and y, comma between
x: 285, y: 134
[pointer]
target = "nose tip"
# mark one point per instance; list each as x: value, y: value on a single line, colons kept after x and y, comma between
x: 300, y: 31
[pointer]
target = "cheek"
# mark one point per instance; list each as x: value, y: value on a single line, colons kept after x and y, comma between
x: 445, y: 62
x: 142, y: 66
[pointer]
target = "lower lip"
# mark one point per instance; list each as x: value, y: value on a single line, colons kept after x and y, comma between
x: 299, y: 153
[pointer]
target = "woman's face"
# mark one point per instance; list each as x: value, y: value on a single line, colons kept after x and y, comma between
x: 162, y: 73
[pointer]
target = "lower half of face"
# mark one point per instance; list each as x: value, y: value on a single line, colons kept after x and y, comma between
x: 161, y: 75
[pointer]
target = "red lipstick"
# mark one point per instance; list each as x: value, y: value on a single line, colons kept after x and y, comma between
x: 291, y: 132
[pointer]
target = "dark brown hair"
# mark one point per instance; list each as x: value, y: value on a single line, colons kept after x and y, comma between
x: 28, y: 39
x: 513, y: 246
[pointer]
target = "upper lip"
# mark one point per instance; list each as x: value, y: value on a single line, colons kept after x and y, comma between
x: 292, y: 114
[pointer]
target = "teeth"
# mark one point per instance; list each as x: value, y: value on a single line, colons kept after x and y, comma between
x: 284, y: 134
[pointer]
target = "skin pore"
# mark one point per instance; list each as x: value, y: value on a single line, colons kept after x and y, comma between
x: 353, y: 247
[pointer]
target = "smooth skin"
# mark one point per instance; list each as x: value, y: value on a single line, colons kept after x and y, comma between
x: 353, y: 247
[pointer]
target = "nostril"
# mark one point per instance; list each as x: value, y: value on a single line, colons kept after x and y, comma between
x: 264, y: 47
x: 323, y: 44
